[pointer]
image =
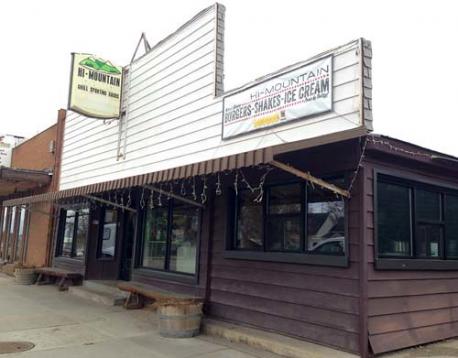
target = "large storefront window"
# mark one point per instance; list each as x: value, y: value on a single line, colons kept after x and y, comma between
x: 416, y: 220
x: 292, y: 218
x: 171, y: 235
x: 73, y: 238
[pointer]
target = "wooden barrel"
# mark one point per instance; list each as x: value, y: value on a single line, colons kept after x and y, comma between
x: 179, y: 320
x: 25, y: 276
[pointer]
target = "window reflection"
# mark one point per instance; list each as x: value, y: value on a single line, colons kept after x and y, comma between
x: 325, y: 222
x: 109, y: 232
x: 249, y: 222
x: 184, y: 239
x: 284, y: 230
x: 74, y: 233
x: 155, y: 238
x: 68, y: 233
x: 20, y: 236
x: 289, y: 219
x: 170, y: 237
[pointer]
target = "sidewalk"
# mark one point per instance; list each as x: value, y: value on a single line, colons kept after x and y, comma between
x: 61, y: 325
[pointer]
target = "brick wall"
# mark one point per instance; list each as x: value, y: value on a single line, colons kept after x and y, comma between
x: 34, y: 154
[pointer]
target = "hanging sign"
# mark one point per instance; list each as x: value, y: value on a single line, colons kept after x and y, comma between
x: 300, y: 93
x: 95, y: 87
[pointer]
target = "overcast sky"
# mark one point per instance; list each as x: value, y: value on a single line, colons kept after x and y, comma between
x: 415, y: 49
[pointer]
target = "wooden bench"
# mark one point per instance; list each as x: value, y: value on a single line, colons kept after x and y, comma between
x: 139, y: 293
x: 64, y: 278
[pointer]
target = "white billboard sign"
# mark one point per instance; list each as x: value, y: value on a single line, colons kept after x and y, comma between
x: 303, y: 92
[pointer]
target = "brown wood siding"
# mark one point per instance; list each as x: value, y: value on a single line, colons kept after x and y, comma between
x: 406, y: 308
x: 315, y: 303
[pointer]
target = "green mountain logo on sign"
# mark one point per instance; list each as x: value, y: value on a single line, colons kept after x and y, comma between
x: 99, y: 65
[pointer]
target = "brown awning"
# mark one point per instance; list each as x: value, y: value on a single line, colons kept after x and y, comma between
x: 203, y: 168
x: 14, y: 180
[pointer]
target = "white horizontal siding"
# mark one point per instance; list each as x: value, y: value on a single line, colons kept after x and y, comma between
x: 175, y: 120
x: 175, y: 42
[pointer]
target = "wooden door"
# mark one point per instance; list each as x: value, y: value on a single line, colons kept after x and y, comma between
x: 105, y: 244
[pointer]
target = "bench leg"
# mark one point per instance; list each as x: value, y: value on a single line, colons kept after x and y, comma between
x: 39, y: 279
x: 43, y: 280
x: 63, y: 284
x: 134, y: 301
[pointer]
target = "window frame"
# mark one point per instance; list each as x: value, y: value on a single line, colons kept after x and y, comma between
x: 303, y: 257
x: 61, y: 233
x: 11, y: 234
x: 23, y: 216
x: 444, y: 204
x: 166, y: 273
x: 413, y: 262
x: 4, y: 230
x: 100, y: 233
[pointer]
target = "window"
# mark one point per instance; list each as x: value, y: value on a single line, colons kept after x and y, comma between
x: 171, y: 235
x: 285, y: 218
x: 107, y: 246
x: 416, y: 220
x: 10, y: 242
x: 326, y: 221
x: 4, y: 231
x: 74, y: 229
x: 293, y: 218
x: 249, y: 228
x: 451, y: 226
x: 20, y: 235
x: 394, y: 220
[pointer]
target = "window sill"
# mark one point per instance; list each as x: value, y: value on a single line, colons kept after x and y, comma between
x: 292, y: 258
x: 416, y: 264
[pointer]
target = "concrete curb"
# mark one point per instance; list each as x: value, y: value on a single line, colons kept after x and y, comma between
x: 271, y: 342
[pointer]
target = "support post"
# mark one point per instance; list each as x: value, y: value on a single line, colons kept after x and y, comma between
x: 109, y: 203
x: 310, y: 178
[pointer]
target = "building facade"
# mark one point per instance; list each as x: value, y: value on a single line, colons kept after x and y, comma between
x: 312, y: 228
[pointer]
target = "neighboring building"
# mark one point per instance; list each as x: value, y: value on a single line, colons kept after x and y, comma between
x: 7, y: 143
x: 26, y: 232
x: 314, y: 228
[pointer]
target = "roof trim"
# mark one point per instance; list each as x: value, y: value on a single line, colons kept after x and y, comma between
x: 247, y: 159
x: 16, y: 174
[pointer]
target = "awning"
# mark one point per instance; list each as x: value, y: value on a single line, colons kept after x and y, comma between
x: 14, y: 180
x: 261, y: 156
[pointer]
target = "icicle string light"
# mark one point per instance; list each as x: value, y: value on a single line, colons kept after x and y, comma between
x: 159, y: 198
x: 194, y: 195
x: 236, y: 183
x: 203, y: 196
x: 359, y: 166
x: 142, y: 199
x: 151, y: 200
x: 244, y: 180
x: 218, y: 186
